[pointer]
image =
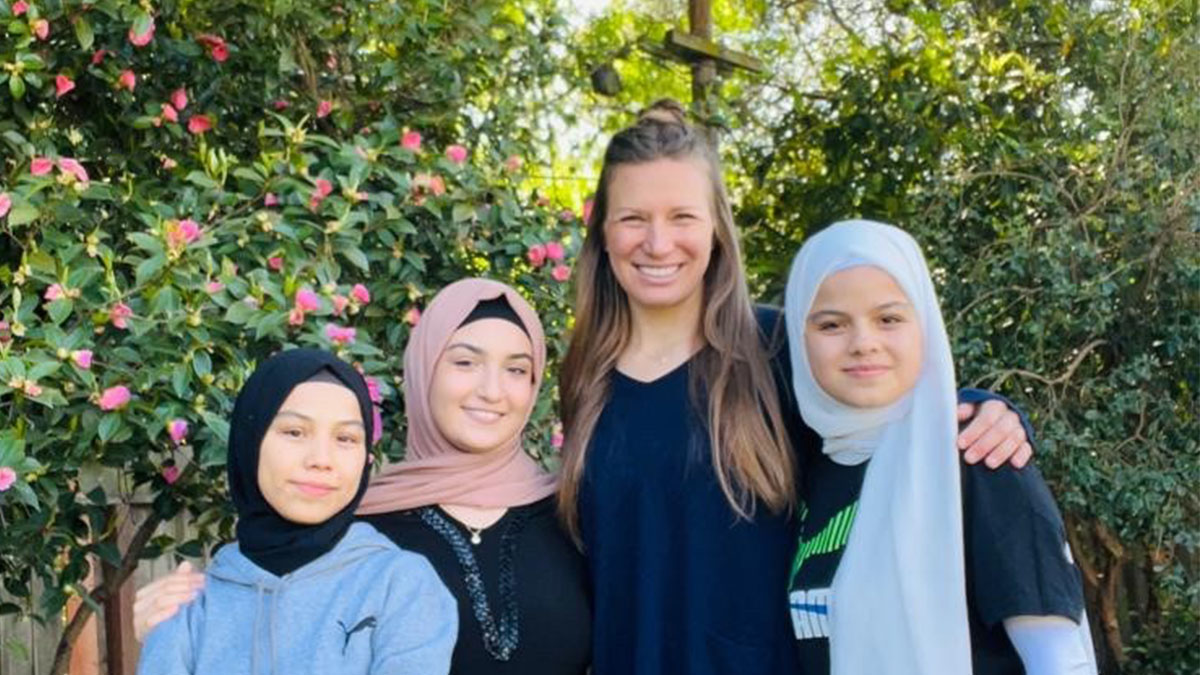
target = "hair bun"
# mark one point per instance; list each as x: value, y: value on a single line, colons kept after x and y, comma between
x: 664, y: 110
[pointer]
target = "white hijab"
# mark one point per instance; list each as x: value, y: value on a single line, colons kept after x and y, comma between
x: 899, y: 601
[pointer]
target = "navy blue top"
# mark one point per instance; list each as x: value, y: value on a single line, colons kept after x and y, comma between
x: 680, y: 583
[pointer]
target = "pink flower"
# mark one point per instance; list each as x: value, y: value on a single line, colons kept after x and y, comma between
x: 275, y: 263
x: 199, y: 124
x: 170, y: 474
x: 296, y: 317
x: 220, y: 53
x: 324, y: 108
x: 214, y: 287
x: 168, y: 113
x: 41, y: 28
x: 587, y: 210
x: 115, y: 398
x: 456, y: 154
x: 5, y: 204
x: 561, y: 273
x: 40, y: 166
x: 281, y: 104
x: 118, y: 315
x: 7, y: 475
x: 307, y: 300
x: 513, y: 163
x: 361, y: 294
x: 98, y: 56
x: 179, y: 98
x: 377, y: 424
x: 143, y: 39
x: 53, y: 293
x: 168, y: 163
x: 73, y: 167
x: 82, y: 358
x: 189, y: 230
x: 411, y: 140
x: 554, y: 250
x: 339, y: 334
x: 270, y: 200
x: 19, y: 7
x: 324, y: 188
x: 536, y: 255
x: 412, y: 316
x: 374, y: 390
x: 32, y: 389
x: 566, y: 215
x: 215, y: 45
x: 62, y: 85
x: 126, y: 80
x: 177, y: 429
x: 340, y: 302
x: 556, y: 439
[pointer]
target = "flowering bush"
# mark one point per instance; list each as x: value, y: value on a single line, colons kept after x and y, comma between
x: 183, y: 194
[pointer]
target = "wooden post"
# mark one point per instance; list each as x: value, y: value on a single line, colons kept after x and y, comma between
x: 704, y: 70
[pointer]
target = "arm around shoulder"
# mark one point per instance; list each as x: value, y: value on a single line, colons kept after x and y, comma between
x: 420, y: 622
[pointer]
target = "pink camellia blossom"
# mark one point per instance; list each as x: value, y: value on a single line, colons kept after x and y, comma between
x: 177, y: 429
x: 214, y: 287
x: 513, y: 163
x: 82, y: 358
x: 361, y: 294
x: 275, y: 263
x: 170, y: 474
x: 220, y: 53
x: 98, y: 56
x: 179, y: 98
x: 144, y: 39
x: 587, y: 210
x: 32, y: 388
x: 169, y: 113
x: 296, y: 317
x: 168, y: 163
x: 324, y: 188
x: 341, y: 335
x: 556, y: 439
x: 554, y: 250
x: 281, y: 104
x: 19, y: 7
x: 199, y: 124
x: 270, y: 199
x: 54, y: 293
x: 189, y: 230
x: 456, y: 154
x: 40, y: 166
x: 7, y: 476
x: 561, y: 273
x: 340, y: 302
x: 307, y: 300
x: 62, y: 85
x: 118, y: 315
x: 412, y: 316
x: 217, y: 49
x: 376, y: 424
x: 374, y: 390
x: 536, y: 254
x: 5, y: 204
x: 115, y: 398
x: 41, y: 28
x: 566, y: 215
x: 411, y: 140
x: 324, y: 108
x: 73, y: 167
x: 127, y: 80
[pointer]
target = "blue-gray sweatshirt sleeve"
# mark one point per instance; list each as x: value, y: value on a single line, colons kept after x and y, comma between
x: 419, y: 624
x: 169, y: 648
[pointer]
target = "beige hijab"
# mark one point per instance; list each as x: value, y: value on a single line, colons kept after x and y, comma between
x: 433, y: 470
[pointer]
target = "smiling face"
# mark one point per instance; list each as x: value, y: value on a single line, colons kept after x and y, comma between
x: 863, y: 338
x: 659, y: 231
x: 311, y: 459
x: 483, y: 385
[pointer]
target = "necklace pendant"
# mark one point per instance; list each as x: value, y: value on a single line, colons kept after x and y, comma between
x: 476, y: 539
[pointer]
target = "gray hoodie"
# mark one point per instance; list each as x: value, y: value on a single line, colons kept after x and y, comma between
x: 364, y: 607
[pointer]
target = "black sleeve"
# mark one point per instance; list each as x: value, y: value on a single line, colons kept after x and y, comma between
x: 1018, y: 561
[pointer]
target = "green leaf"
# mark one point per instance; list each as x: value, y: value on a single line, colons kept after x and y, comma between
x: 84, y: 33
x: 22, y: 214
x: 43, y: 369
x: 179, y: 380
x: 141, y: 23
x: 16, y: 86
x: 201, y: 363
x: 148, y: 268
x: 25, y: 494
x: 60, y: 309
x: 146, y: 242
x: 109, y: 553
x: 356, y: 257
x: 110, y: 424
x: 463, y: 212
x: 240, y: 312
x: 200, y: 179
x: 166, y: 300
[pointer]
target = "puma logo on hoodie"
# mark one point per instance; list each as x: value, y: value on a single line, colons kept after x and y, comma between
x: 366, y: 623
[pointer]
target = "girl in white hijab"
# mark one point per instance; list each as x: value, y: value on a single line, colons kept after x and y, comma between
x: 894, y: 539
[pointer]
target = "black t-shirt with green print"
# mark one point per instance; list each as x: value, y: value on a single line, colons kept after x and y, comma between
x: 1015, y: 545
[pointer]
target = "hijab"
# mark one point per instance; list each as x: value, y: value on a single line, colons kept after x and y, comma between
x: 899, y: 595
x: 433, y: 470
x: 272, y: 542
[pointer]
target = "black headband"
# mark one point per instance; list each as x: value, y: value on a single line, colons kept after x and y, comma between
x: 496, y: 308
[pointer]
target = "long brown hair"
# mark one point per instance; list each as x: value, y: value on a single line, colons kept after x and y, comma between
x: 750, y: 451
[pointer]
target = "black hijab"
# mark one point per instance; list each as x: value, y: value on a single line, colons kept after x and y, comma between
x: 265, y: 537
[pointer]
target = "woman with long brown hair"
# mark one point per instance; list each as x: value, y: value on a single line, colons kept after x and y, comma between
x: 679, y: 478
